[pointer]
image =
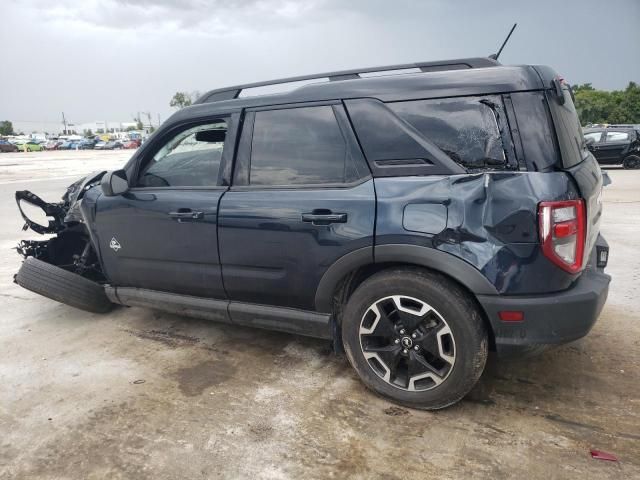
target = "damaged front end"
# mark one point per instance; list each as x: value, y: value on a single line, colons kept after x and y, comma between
x: 70, y: 245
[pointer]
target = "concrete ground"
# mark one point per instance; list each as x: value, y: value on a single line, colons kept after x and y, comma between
x: 137, y: 394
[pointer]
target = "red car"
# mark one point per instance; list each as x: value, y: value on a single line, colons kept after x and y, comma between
x: 132, y: 144
x: 7, y: 147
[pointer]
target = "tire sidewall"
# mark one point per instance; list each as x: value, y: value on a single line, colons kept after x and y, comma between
x: 451, y: 303
x: 631, y: 162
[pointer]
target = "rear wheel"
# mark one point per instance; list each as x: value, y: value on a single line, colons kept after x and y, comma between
x: 631, y: 162
x: 415, y: 337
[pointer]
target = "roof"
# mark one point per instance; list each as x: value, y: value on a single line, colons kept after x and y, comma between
x: 434, y: 80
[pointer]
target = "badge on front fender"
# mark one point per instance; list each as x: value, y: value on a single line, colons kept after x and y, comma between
x: 114, y: 244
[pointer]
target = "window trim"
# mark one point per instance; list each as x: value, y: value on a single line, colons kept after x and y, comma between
x: 242, y: 165
x: 157, y: 142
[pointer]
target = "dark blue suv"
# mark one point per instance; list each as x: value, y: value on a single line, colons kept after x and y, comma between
x: 417, y: 219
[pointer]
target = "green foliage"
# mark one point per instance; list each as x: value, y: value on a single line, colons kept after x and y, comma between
x: 6, y: 127
x: 600, y: 106
x: 180, y: 100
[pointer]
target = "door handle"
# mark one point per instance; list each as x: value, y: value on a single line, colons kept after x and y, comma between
x: 186, y: 214
x: 324, y: 217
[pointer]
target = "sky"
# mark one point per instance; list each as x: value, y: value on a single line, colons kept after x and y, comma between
x: 109, y: 59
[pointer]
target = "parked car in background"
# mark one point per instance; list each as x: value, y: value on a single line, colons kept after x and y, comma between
x: 131, y: 144
x: 65, y: 145
x: 112, y: 145
x: 31, y: 146
x: 100, y: 145
x: 7, y: 147
x: 614, y: 145
x: 52, y: 144
x: 87, y: 144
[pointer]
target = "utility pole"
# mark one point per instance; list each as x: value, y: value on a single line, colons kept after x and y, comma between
x: 64, y: 121
x: 159, y: 121
x: 148, y: 114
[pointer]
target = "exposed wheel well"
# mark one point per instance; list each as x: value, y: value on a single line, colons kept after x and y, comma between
x: 352, y: 280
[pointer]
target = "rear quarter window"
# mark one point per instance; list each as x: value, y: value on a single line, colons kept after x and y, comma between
x: 466, y: 128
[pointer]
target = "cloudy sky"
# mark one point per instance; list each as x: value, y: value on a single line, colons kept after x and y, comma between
x: 107, y: 59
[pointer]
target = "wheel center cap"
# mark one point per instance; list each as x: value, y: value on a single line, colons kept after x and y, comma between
x: 407, y: 342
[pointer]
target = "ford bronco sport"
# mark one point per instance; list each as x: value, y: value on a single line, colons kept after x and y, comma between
x: 417, y: 220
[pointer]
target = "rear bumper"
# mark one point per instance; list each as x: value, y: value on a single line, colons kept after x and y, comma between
x: 548, y: 319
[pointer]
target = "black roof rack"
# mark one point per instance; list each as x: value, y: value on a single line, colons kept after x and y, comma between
x: 229, y: 93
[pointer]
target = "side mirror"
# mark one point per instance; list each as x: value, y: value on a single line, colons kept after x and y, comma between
x: 114, y: 183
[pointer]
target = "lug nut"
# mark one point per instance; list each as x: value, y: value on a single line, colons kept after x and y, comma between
x: 397, y: 340
x: 413, y: 335
x: 402, y: 331
x: 405, y: 351
x: 416, y: 347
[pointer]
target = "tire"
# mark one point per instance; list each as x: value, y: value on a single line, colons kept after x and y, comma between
x: 450, y: 337
x: 631, y: 162
x: 63, y: 286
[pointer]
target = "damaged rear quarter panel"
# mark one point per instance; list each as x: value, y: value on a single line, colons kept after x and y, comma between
x: 491, y: 223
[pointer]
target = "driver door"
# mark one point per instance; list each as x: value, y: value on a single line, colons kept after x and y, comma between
x: 161, y: 234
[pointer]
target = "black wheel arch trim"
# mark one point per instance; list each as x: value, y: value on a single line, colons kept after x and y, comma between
x: 446, y: 263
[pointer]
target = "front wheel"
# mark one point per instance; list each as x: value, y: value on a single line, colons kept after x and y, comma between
x: 416, y: 337
x: 631, y: 162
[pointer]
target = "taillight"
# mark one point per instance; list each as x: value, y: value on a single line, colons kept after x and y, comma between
x: 562, y: 233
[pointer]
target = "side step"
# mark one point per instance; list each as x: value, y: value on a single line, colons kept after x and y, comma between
x: 292, y: 320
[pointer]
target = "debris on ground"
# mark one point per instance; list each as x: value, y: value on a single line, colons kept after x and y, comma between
x: 600, y: 455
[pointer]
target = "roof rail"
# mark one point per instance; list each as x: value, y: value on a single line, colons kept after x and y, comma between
x: 229, y: 93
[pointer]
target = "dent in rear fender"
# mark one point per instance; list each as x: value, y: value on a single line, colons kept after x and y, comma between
x: 491, y: 223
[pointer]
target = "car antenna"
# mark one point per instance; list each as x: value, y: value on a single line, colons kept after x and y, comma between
x: 496, y: 55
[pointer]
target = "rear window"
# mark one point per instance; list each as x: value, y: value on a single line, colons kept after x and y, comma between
x: 466, y: 129
x: 571, y: 141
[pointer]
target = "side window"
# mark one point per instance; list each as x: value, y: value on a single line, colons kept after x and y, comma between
x: 617, y: 137
x: 595, y: 135
x: 300, y: 146
x: 466, y: 129
x: 190, y: 159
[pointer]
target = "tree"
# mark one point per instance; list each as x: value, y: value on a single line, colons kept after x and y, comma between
x: 6, y: 128
x: 600, y: 106
x: 180, y: 100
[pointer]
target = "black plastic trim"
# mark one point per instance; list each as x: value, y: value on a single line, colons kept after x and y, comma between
x: 190, y: 306
x: 291, y: 320
x: 548, y: 319
x: 458, y: 269
x: 336, y: 272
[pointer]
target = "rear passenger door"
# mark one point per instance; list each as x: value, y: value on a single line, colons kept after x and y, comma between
x: 302, y: 197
